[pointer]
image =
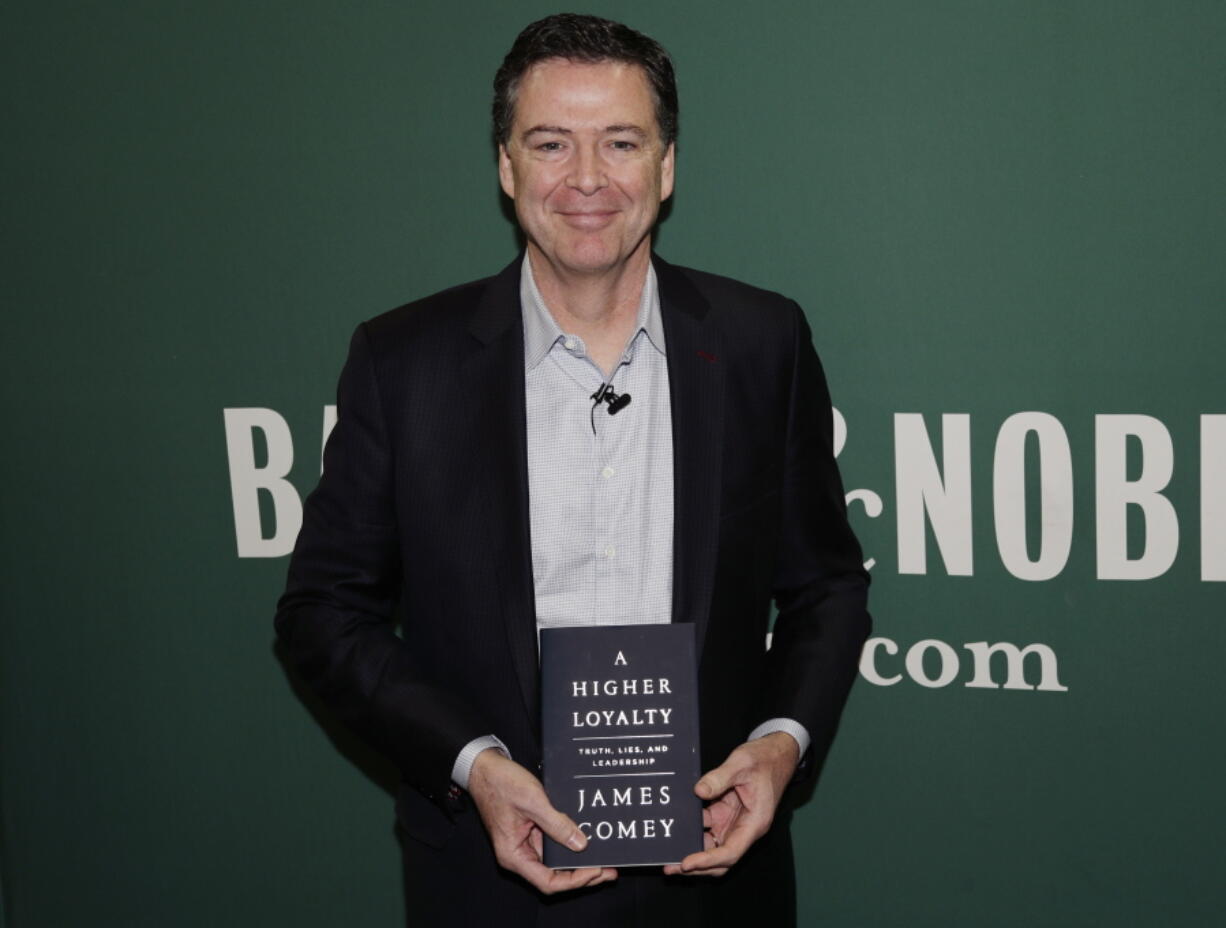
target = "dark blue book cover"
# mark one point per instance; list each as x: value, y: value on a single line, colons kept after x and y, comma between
x: 619, y: 718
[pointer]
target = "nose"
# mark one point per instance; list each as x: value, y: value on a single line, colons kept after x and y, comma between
x: 587, y: 173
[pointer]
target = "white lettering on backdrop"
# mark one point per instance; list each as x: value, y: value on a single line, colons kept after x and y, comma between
x: 1136, y: 526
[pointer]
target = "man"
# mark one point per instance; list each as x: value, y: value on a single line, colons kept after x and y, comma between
x: 471, y: 480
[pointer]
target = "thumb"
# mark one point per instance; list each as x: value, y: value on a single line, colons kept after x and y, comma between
x: 713, y: 783
x: 560, y: 827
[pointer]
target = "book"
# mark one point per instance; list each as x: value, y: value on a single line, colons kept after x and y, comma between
x: 619, y: 720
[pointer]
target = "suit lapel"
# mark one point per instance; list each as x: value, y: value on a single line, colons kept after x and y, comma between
x: 495, y: 372
x: 696, y: 386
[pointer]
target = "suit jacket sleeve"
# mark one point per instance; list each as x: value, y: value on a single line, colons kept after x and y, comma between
x: 820, y: 585
x: 335, y: 620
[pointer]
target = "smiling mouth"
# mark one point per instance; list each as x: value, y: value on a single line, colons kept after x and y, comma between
x: 588, y: 220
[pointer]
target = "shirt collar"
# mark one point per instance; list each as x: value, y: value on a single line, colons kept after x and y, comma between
x: 542, y: 332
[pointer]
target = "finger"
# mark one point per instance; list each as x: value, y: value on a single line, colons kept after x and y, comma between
x: 708, y: 843
x: 675, y: 870
x: 703, y: 862
x: 607, y: 875
x: 723, y: 855
x: 566, y: 880
x: 725, y: 816
x: 714, y: 782
x: 558, y: 825
x: 563, y: 880
x: 554, y: 881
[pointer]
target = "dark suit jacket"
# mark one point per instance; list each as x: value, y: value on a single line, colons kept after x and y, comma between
x: 424, y: 499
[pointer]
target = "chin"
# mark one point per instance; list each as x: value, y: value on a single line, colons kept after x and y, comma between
x: 591, y: 258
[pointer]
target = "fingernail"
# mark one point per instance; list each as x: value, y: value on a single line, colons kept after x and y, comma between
x: 577, y: 842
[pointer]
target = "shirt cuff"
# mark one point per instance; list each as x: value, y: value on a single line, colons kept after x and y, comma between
x: 464, y: 763
x: 770, y: 726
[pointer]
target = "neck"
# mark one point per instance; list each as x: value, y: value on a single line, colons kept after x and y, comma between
x: 590, y: 300
x: 600, y: 308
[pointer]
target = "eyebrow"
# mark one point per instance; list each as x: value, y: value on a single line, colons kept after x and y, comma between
x: 553, y: 130
x: 558, y: 130
x: 636, y: 130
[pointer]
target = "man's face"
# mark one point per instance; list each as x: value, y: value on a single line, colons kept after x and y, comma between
x: 585, y: 163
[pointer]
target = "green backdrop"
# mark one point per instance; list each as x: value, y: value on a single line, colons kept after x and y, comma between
x: 986, y: 208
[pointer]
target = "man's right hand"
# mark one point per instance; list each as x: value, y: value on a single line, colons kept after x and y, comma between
x: 517, y: 813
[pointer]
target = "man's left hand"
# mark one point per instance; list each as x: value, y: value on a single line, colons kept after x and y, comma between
x: 741, y: 795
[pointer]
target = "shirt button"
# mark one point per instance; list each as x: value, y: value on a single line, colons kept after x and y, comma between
x: 610, y: 551
x: 607, y: 472
x: 570, y: 344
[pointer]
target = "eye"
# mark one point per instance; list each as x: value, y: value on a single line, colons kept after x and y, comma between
x: 623, y: 145
x: 549, y: 146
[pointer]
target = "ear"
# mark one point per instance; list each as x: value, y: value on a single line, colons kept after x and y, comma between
x: 667, y: 163
x: 506, y: 175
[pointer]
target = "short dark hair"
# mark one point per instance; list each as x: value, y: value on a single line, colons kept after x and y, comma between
x: 590, y: 39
